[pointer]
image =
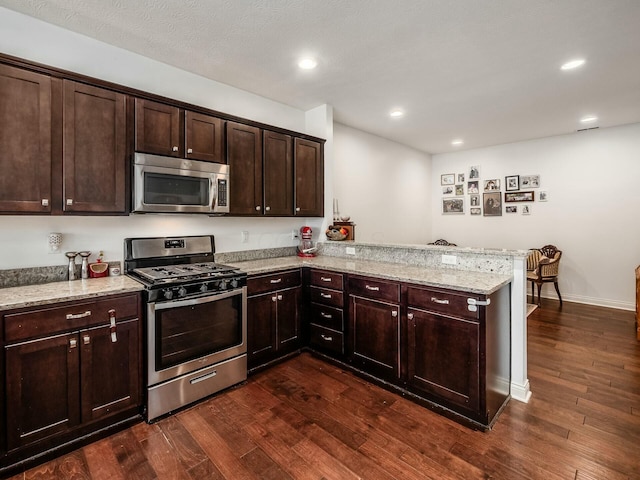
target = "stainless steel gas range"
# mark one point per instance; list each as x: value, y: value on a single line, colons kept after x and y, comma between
x: 196, y: 325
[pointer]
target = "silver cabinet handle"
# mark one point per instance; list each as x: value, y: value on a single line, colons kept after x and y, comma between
x: 441, y: 302
x: 189, y: 150
x: 394, y: 313
x: 267, y: 209
x: 45, y: 202
x: 202, y: 378
x: 325, y: 279
x: 279, y: 297
x: 73, y: 316
x: 410, y: 316
x: 373, y: 289
x: 175, y: 149
x: 86, y: 339
x: 69, y: 201
x: 326, y: 338
x: 276, y: 280
x: 326, y: 315
x: 73, y: 343
x: 258, y: 207
x: 325, y: 295
x: 297, y: 209
x: 274, y: 298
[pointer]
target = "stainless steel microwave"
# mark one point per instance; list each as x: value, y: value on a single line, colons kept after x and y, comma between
x: 178, y: 185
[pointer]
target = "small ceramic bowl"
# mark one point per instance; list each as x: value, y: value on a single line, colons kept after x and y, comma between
x: 345, y: 218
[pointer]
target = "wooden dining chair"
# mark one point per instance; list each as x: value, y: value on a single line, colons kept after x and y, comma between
x: 543, y: 266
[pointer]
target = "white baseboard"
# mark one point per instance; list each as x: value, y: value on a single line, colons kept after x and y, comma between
x: 522, y: 393
x: 599, y: 302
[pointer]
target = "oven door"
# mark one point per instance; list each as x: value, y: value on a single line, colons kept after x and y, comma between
x: 187, y: 335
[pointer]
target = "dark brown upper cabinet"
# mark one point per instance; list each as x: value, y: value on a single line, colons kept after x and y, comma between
x: 244, y: 156
x: 308, y: 162
x: 94, y: 149
x: 278, y: 174
x: 159, y: 130
x: 25, y: 136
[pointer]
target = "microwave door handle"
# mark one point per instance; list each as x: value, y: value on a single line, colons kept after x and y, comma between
x: 213, y: 192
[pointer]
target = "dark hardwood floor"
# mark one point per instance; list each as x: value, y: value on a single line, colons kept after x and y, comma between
x: 306, y: 419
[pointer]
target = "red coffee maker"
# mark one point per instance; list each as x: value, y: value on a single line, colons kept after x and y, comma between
x: 306, y: 248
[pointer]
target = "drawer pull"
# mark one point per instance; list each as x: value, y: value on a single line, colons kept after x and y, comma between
x: 274, y: 298
x: 279, y: 297
x: 275, y: 280
x: 325, y: 279
x: 440, y: 301
x: 203, y: 377
x: 86, y: 339
x: 112, y: 325
x: 325, y: 295
x: 326, y: 315
x: 394, y: 313
x: 73, y: 316
x: 326, y: 338
x: 410, y: 316
x: 73, y: 343
x: 373, y: 289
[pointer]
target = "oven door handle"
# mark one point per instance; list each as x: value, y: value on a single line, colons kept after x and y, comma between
x: 198, y: 300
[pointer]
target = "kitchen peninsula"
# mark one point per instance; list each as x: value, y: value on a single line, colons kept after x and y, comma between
x: 349, y: 297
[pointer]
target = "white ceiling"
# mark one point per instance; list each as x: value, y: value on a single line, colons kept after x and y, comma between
x: 486, y: 71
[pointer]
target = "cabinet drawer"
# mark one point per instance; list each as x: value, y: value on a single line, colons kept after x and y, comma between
x: 74, y: 316
x: 327, y: 316
x: 374, y: 289
x: 323, y: 278
x: 442, y: 301
x: 271, y: 282
x: 327, y: 297
x: 327, y: 339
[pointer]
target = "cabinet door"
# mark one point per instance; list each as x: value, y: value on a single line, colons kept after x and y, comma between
x: 42, y: 388
x: 278, y: 174
x: 204, y: 137
x: 375, y: 337
x: 25, y: 136
x: 261, y: 328
x: 158, y: 129
x: 288, y: 313
x: 244, y: 156
x: 110, y: 371
x: 309, y: 175
x: 95, y: 149
x: 443, y: 357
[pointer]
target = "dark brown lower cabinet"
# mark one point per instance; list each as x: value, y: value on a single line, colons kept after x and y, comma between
x: 69, y: 373
x: 444, y: 357
x: 273, y: 317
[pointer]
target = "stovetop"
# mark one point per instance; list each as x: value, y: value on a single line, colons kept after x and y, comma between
x: 184, y: 272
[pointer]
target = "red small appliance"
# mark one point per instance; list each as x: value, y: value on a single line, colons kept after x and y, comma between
x: 306, y: 248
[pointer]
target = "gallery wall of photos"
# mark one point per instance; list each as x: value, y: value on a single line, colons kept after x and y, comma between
x: 491, y: 197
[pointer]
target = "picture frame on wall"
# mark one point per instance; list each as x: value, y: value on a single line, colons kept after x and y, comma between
x: 459, y: 189
x: 473, y: 186
x: 475, y: 211
x: 492, y: 185
x: 460, y: 178
x: 543, y: 196
x: 492, y: 204
x: 511, y: 209
x: 474, y: 200
x: 526, y: 210
x: 510, y: 197
x: 529, y: 181
x: 447, y: 179
x: 512, y: 182
x: 474, y: 172
x: 448, y: 190
x: 452, y: 205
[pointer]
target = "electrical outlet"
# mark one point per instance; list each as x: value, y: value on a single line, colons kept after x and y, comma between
x: 449, y: 259
x: 351, y: 251
x: 294, y: 234
x: 244, y: 236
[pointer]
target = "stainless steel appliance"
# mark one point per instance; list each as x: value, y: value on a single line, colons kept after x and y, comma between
x: 196, y: 325
x: 178, y: 185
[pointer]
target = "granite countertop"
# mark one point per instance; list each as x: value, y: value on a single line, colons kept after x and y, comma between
x: 56, y: 292
x: 468, y: 281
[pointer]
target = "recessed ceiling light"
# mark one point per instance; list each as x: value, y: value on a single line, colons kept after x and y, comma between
x: 396, y: 113
x: 589, y: 119
x: 457, y: 142
x: 573, y: 64
x: 308, y: 63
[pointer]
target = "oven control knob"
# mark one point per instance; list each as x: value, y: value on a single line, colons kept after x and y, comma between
x: 234, y: 283
x: 182, y: 292
x: 223, y: 285
x: 203, y: 287
x: 168, y: 294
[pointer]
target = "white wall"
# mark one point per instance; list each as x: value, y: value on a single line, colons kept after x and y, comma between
x: 23, y: 239
x: 591, y: 214
x: 384, y: 186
